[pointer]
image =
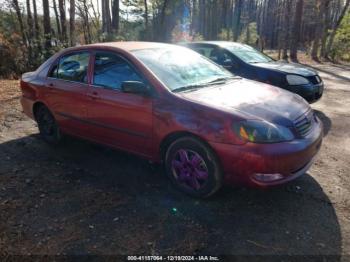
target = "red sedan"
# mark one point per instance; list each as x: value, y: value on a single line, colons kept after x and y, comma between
x: 170, y: 104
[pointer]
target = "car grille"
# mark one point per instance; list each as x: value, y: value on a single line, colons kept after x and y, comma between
x: 304, y: 123
x: 314, y: 79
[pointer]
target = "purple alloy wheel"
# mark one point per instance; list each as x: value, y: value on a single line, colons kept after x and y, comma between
x: 189, y: 168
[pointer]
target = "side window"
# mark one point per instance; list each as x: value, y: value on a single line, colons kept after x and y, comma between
x: 110, y: 71
x: 220, y: 56
x: 74, y: 67
x: 205, y: 51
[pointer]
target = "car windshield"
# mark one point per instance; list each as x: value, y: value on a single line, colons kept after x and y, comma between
x: 249, y: 54
x: 180, y: 68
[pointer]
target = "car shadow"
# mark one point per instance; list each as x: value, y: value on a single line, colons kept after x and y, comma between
x: 326, y: 121
x: 82, y: 198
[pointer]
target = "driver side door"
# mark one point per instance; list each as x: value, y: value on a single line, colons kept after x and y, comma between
x: 122, y: 120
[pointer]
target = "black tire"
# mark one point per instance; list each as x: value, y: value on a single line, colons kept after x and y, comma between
x: 47, y: 125
x: 209, y: 164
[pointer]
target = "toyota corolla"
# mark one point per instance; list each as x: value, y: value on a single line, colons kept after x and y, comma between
x: 170, y: 105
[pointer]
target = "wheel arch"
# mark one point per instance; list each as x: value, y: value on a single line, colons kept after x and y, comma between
x: 170, y: 138
x: 36, y: 106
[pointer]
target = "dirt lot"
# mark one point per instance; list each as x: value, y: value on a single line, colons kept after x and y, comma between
x: 87, y: 199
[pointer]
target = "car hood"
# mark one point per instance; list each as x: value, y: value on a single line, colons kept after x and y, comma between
x: 290, y: 68
x: 252, y: 100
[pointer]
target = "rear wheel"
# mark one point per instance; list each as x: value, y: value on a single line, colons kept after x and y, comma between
x: 48, y: 127
x: 193, y: 167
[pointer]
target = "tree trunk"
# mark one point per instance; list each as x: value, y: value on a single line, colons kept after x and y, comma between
x: 322, y: 5
x: 237, y: 19
x: 146, y: 16
x: 106, y: 17
x: 336, y: 26
x: 30, y: 30
x: 296, y: 30
x: 20, y: 21
x: 72, y: 22
x: 162, y: 21
x: 286, y: 32
x: 59, y: 32
x: 62, y: 8
x: 86, y: 21
x: 36, y: 28
x: 201, y: 17
x: 29, y: 20
x: 47, y: 24
x: 115, y: 16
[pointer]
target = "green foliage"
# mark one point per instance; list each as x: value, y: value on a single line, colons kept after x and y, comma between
x: 341, y: 46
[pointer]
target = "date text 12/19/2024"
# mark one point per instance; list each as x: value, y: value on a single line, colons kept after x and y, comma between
x: 173, y: 258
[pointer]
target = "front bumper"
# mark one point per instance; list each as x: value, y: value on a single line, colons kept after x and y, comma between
x: 290, y: 159
x: 310, y: 92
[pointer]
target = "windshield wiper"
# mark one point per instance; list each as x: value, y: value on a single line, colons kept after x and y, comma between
x: 189, y: 87
x: 222, y: 79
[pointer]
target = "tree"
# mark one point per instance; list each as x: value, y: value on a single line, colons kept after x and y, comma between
x: 30, y: 29
x: 236, y: 19
x: 335, y: 27
x: 296, y: 30
x: 58, y: 24
x: 72, y: 22
x: 146, y: 16
x: 106, y: 18
x: 322, y: 6
x: 17, y: 8
x: 286, y: 25
x: 47, y: 24
x: 115, y: 16
x: 36, y: 29
x: 62, y: 8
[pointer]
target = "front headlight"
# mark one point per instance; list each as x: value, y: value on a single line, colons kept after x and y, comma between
x: 295, y: 80
x: 256, y: 131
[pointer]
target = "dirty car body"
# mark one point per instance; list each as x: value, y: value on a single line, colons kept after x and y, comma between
x: 245, y: 61
x: 138, y: 97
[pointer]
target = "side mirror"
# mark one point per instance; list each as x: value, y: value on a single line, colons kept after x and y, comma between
x: 134, y: 87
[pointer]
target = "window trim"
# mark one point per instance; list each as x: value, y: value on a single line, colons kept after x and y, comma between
x: 93, y: 59
x: 58, y: 59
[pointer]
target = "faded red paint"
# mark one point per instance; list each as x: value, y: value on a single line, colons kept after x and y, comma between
x: 140, y: 124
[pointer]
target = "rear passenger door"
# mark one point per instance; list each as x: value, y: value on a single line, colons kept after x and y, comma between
x: 67, y: 86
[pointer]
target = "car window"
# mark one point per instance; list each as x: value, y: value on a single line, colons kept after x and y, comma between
x: 204, y: 50
x: 249, y: 54
x: 73, y: 67
x: 220, y: 56
x: 111, y: 70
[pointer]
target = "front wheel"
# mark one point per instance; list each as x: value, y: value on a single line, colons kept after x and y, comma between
x: 47, y: 125
x: 193, y: 167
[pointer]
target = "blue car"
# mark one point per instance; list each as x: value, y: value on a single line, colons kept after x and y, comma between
x: 245, y: 61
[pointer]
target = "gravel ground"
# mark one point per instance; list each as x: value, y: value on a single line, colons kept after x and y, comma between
x: 82, y: 198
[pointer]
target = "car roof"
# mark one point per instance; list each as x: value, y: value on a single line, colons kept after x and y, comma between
x: 127, y: 45
x: 218, y: 43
